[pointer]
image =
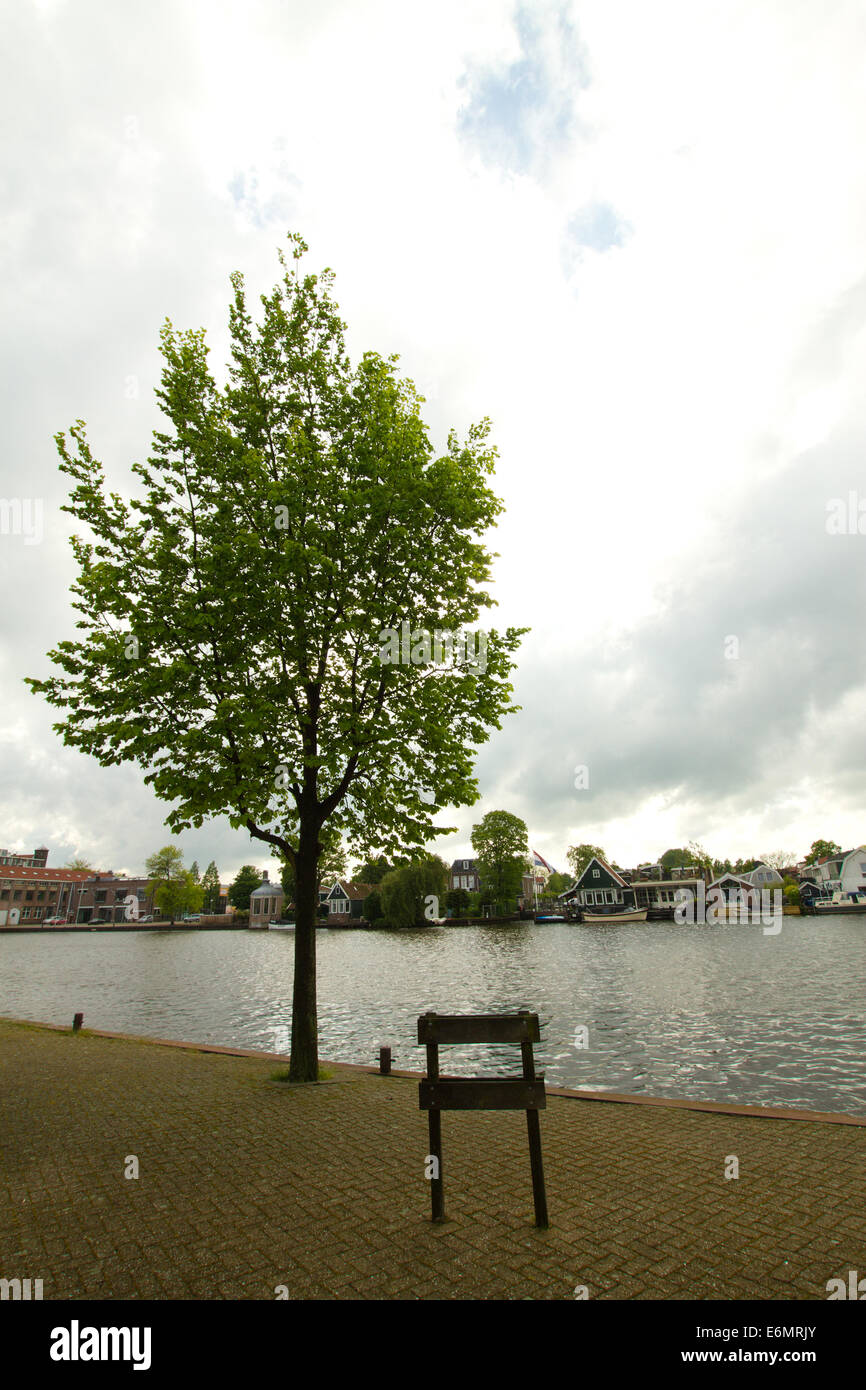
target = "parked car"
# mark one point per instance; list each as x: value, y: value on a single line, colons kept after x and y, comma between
x: 193, y: 917
x: 56, y: 922
x: 148, y: 917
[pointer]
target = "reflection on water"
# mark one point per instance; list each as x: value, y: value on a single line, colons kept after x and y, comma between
x: 712, y: 1012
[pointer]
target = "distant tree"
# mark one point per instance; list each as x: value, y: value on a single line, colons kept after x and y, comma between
x: 501, y: 845
x: 557, y: 883
x: 246, y: 881
x: 211, y: 887
x: 744, y: 866
x: 457, y: 899
x: 698, y: 855
x: 173, y: 887
x: 404, y: 891
x: 779, y: 858
x: 580, y: 855
x: 373, y: 907
x: 194, y: 870
x: 676, y: 859
x: 373, y: 870
x: 823, y: 849
x: 79, y: 863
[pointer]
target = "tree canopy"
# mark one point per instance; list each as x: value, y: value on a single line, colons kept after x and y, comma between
x: 173, y: 887
x: 238, y: 616
x: 823, y: 849
x: 579, y: 856
x: 246, y: 881
x: 501, y: 846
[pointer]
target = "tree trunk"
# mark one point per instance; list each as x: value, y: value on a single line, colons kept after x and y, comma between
x: 304, y: 1061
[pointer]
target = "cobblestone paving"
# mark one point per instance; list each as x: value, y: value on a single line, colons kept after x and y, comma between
x: 247, y: 1183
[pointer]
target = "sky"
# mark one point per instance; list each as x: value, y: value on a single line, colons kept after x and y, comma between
x: 633, y: 236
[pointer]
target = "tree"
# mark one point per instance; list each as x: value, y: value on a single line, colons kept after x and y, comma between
x: 194, y: 870
x: 212, y: 888
x: 257, y: 622
x: 676, y: 859
x: 779, y: 858
x: 246, y: 881
x: 698, y: 855
x: 373, y: 907
x: 173, y: 887
x: 457, y: 899
x: 501, y: 846
x: 404, y: 892
x: 79, y: 863
x: 580, y: 855
x: 557, y: 883
x: 373, y: 870
x: 823, y: 849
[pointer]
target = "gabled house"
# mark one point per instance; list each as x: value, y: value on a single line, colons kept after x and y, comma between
x: 599, y: 887
x: 762, y: 876
x: 343, y: 901
x: 735, y: 889
x: 840, y: 873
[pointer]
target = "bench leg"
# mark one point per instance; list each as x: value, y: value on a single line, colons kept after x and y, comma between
x: 437, y: 1192
x: 539, y: 1196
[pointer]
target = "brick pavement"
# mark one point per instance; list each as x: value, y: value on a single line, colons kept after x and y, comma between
x: 246, y: 1184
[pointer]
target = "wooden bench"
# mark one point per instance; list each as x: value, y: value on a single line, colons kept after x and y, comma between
x: 437, y: 1093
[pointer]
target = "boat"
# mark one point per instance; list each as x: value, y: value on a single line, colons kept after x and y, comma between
x: 613, y: 919
x: 551, y: 917
x: 840, y: 902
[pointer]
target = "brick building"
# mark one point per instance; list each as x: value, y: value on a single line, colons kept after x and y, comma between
x: 29, y: 895
x: 37, y: 860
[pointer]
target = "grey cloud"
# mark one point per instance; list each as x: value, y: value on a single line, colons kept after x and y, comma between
x: 661, y: 709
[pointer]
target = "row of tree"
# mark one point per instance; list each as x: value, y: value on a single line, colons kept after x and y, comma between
x: 580, y: 855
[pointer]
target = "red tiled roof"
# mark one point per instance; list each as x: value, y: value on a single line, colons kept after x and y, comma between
x: 43, y: 872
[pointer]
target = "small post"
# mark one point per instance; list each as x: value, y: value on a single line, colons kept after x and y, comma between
x: 384, y: 1061
x: 77, y: 1022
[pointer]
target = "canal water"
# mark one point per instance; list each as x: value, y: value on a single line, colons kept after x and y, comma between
x: 720, y: 1013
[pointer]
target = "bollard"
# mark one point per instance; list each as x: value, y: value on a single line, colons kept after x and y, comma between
x: 77, y: 1022
x: 384, y: 1061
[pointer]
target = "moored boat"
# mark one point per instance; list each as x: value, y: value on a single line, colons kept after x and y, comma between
x: 613, y: 919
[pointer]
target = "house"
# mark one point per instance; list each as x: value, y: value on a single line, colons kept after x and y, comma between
x: 266, y: 902
x: 598, y: 888
x: 464, y: 874
x: 735, y: 889
x: 843, y: 873
x: 344, y: 902
x: 762, y: 876
x: 659, y: 894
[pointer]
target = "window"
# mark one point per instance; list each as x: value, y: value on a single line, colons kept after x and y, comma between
x: 28, y: 897
x: 596, y: 873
